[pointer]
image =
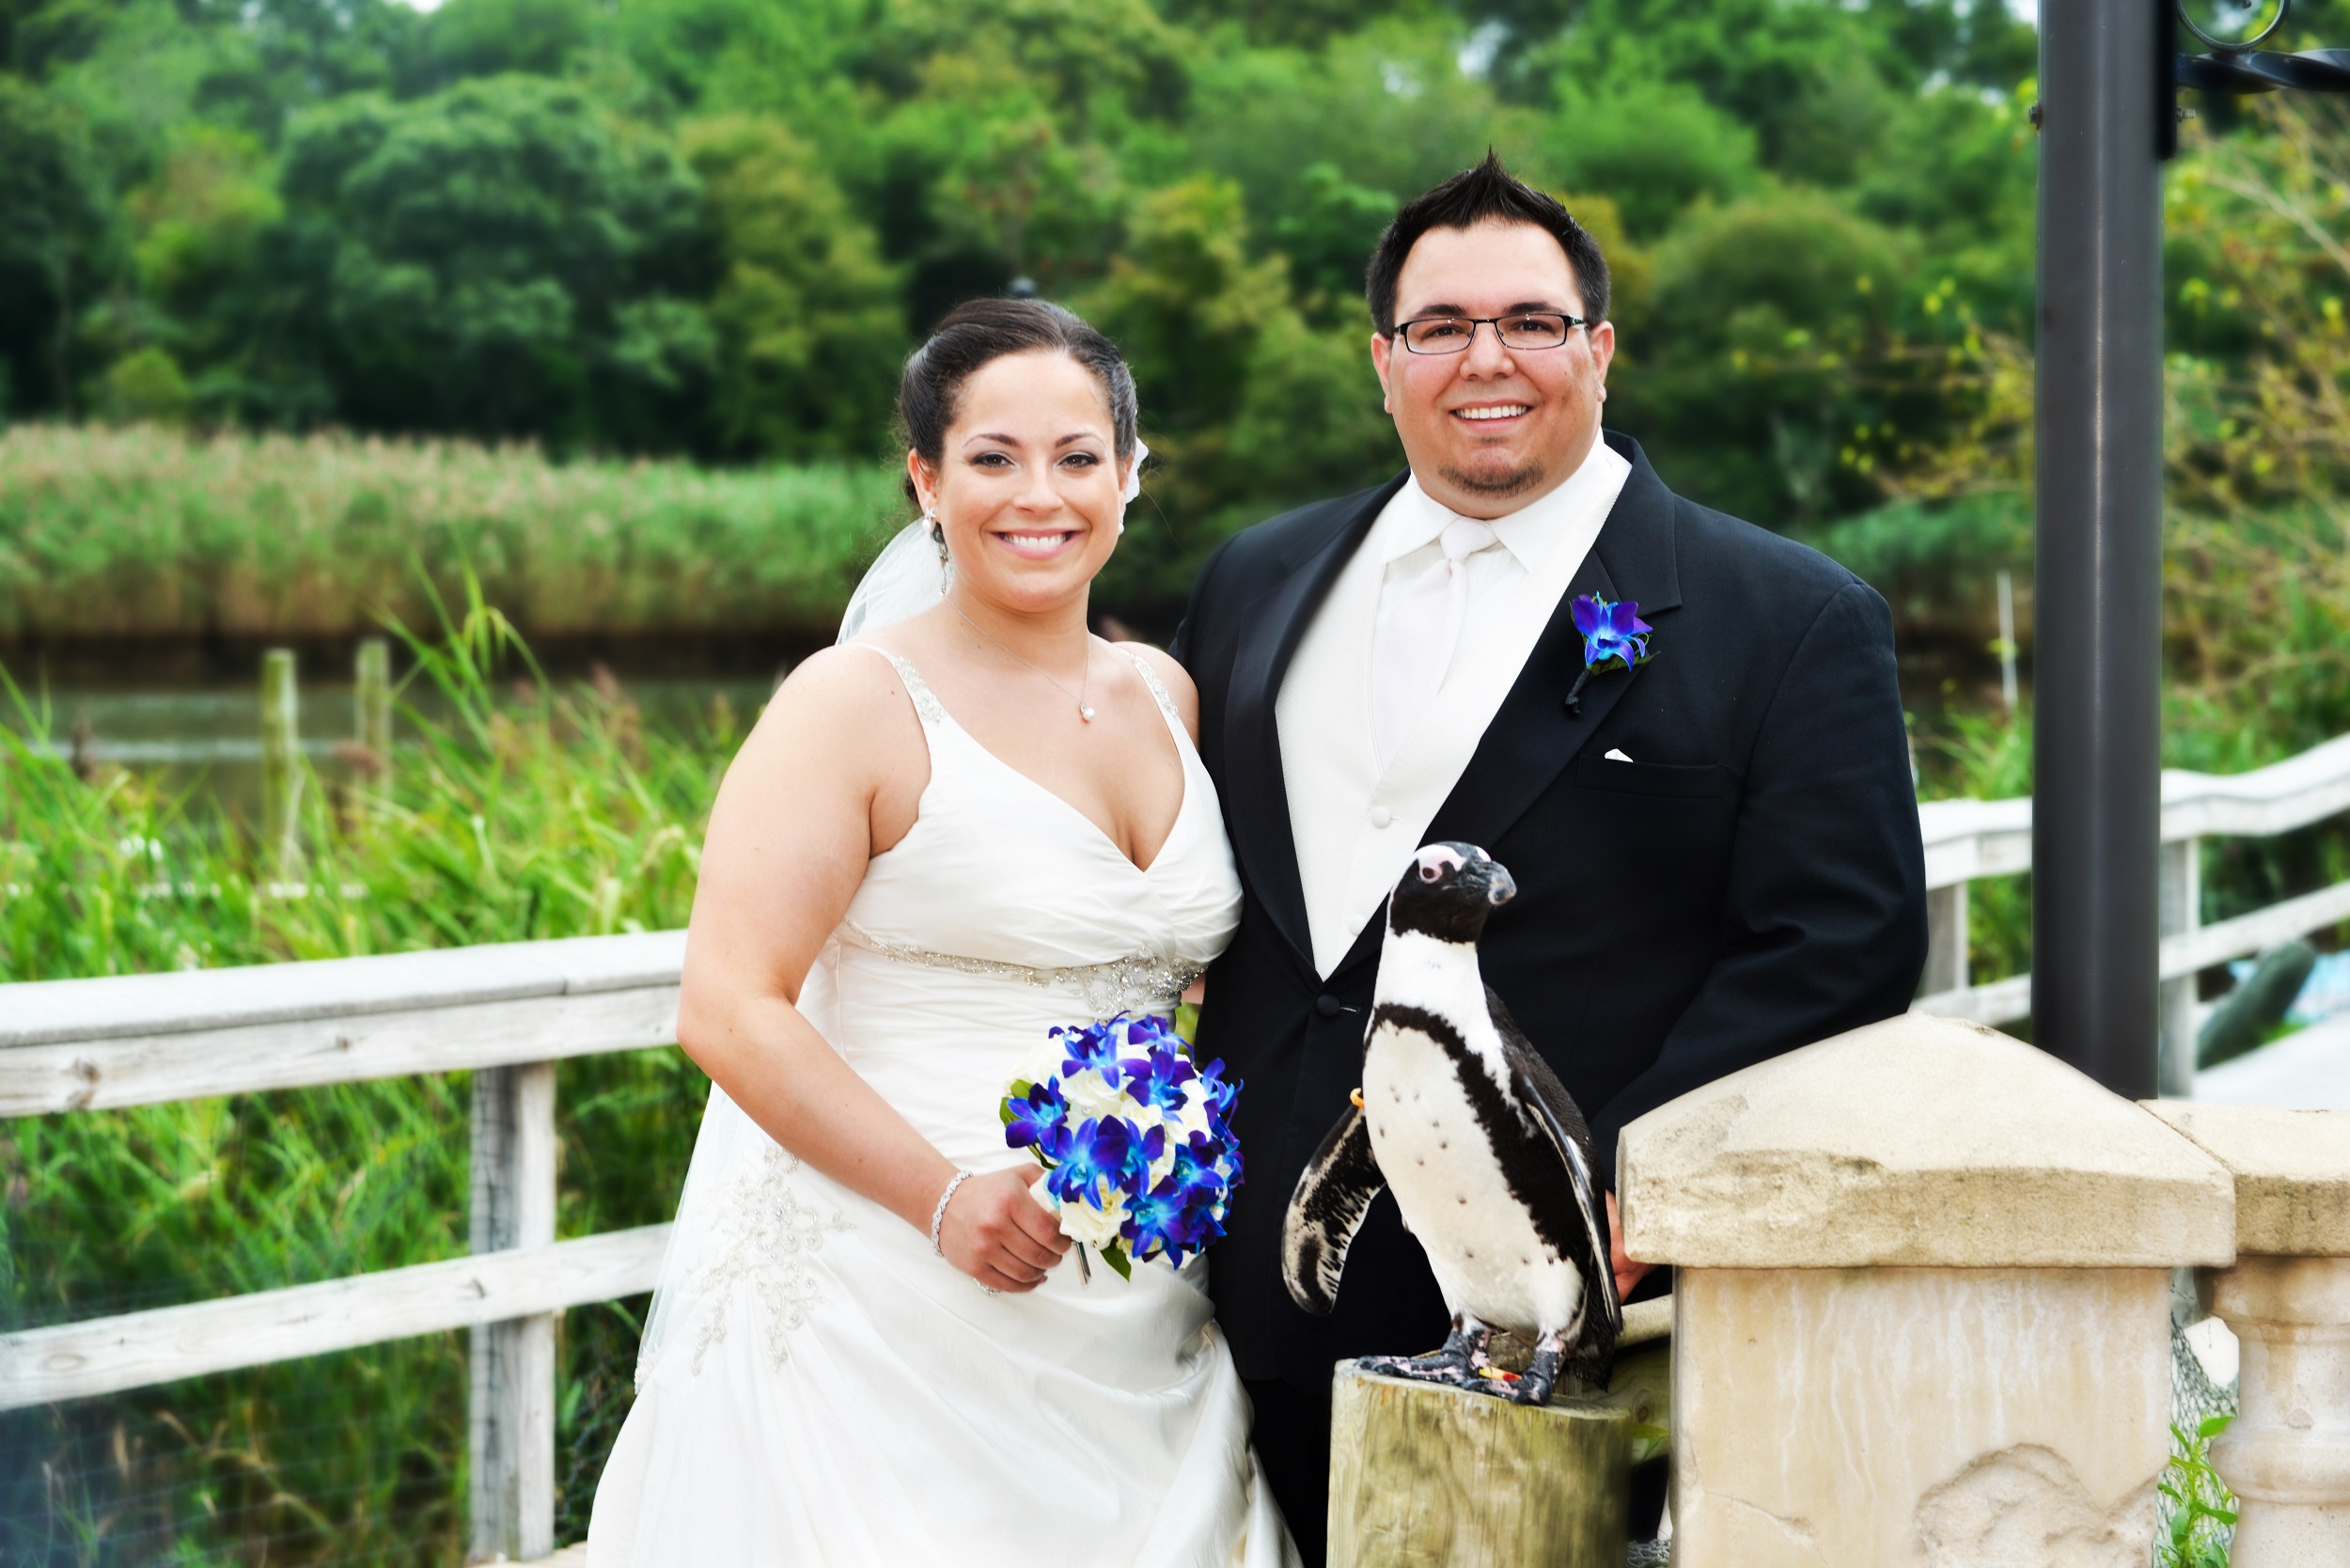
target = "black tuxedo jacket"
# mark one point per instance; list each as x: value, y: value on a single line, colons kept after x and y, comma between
x: 1750, y: 883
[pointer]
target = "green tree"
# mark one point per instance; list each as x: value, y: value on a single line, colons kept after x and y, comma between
x: 270, y: 59
x: 147, y: 386
x: 37, y: 36
x: 1087, y: 56
x: 489, y: 37
x: 1814, y: 82
x: 53, y: 243
x: 1742, y: 376
x: 807, y: 314
x: 1654, y: 147
x: 1284, y: 21
x: 504, y: 258
x: 1329, y: 234
x: 1280, y: 460
x: 1186, y: 303
x: 199, y: 226
x: 978, y: 181
x: 1388, y: 108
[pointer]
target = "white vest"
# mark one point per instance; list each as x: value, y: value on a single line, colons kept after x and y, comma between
x: 1356, y: 827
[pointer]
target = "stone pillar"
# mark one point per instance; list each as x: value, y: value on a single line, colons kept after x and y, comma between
x: 2287, y: 1457
x: 1922, y: 1315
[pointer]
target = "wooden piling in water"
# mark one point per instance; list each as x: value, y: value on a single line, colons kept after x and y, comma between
x: 1428, y: 1477
x: 373, y: 725
x: 281, y: 763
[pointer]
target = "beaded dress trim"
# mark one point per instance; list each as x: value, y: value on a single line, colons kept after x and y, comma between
x: 1138, y: 984
x: 1122, y: 985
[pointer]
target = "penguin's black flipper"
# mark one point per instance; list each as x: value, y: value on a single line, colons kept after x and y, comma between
x: 1334, y: 1192
x: 1562, y: 1122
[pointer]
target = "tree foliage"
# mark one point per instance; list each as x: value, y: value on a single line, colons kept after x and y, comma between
x: 713, y: 228
x: 505, y: 258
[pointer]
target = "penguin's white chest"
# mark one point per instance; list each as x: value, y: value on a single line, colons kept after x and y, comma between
x: 1439, y: 1161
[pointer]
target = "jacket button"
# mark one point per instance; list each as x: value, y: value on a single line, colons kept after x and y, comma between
x: 1381, y: 816
x: 1326, y: 1005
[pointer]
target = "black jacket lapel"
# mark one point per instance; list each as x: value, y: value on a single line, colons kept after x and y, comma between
x: 1258, y: 813
x: 1535, y: 735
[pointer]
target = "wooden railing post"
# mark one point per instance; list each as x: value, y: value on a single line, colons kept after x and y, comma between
x: 372, y: 724
x: 512, y: 1404
x: 1946, y: 939
x: 281, y: 765
x: 2180, y: 897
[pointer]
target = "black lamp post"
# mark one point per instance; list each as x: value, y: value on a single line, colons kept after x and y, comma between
x: 2096, y: 792
x: 2108, y: 118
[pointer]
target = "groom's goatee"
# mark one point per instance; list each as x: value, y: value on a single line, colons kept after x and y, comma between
x: 1515, y: 482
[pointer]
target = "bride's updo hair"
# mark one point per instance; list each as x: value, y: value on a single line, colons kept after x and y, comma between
x: 980, y: 331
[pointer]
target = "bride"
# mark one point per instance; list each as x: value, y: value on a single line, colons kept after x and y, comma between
x: 970, y: 823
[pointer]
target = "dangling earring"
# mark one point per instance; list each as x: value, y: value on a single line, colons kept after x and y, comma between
x: 938, y: 536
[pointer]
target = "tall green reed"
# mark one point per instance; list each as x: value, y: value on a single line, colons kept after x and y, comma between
x: 145, y: 532
x: 520, y: 810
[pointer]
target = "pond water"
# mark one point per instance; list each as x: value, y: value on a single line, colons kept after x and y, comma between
x: 205, y: 736
x: 196, y: 723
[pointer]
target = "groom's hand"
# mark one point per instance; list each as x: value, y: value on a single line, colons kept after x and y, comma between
x: 1628, y: 1272
x: 999, y: 1235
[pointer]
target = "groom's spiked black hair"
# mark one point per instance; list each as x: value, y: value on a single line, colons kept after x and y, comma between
x: 1475, y: 195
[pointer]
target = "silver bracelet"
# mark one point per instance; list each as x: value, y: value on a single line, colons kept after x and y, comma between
x: 938, y: 1215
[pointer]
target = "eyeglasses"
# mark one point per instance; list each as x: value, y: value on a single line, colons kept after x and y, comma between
x: 1531, y: 329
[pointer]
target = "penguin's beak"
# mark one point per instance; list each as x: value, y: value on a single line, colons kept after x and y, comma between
x: 1500, y: 888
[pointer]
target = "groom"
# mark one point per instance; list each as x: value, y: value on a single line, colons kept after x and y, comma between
x: 1717, y: 852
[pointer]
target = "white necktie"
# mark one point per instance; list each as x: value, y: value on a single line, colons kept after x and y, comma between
x: 1414, y: 645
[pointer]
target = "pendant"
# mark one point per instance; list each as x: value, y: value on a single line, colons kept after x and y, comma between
x: 1085, y: 711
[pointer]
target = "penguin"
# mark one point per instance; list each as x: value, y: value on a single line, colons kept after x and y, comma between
x: 1489, y: 1158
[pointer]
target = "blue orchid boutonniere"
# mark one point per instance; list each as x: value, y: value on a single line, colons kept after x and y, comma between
x: 1613, y: 632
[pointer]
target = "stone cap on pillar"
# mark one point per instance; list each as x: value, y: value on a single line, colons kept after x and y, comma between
x: 2292, y: 1172
x: 1919, y: 1141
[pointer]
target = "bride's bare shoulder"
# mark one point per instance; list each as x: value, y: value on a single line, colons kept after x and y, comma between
x: 847, y: 703
x: 1172, y: 676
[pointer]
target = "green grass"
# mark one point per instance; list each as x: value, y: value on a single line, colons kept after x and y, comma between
x: 2199, y: 1511
x: 147, y: 533
x: 523, y: 812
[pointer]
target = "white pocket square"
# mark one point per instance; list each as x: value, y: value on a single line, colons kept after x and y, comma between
x: 1615, y: 754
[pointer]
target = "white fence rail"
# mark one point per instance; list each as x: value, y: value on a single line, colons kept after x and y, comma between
x: 505, y: 1013
x: 1970, y: 838
x: 508, y: 1012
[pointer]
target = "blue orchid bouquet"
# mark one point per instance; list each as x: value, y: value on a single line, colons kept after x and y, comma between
x: 1136, y: 1140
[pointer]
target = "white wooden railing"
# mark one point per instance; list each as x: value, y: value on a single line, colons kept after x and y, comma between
x: 1969, y: 838
x: 507, y: 1013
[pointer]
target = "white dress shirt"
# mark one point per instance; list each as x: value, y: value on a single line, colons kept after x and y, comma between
x: 1356, y: 824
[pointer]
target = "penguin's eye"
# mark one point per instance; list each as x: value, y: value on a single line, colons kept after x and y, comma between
x: 1430, y: 874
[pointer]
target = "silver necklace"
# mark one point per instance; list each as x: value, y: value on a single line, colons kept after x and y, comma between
x: 1085, y: 709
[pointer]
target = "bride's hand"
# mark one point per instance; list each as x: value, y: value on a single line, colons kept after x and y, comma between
x: 998, y: 1234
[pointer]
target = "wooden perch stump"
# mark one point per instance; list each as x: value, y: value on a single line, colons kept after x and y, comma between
x: 1428, y: 1477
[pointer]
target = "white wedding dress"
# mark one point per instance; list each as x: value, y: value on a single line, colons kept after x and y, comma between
x: 816, y: 1386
